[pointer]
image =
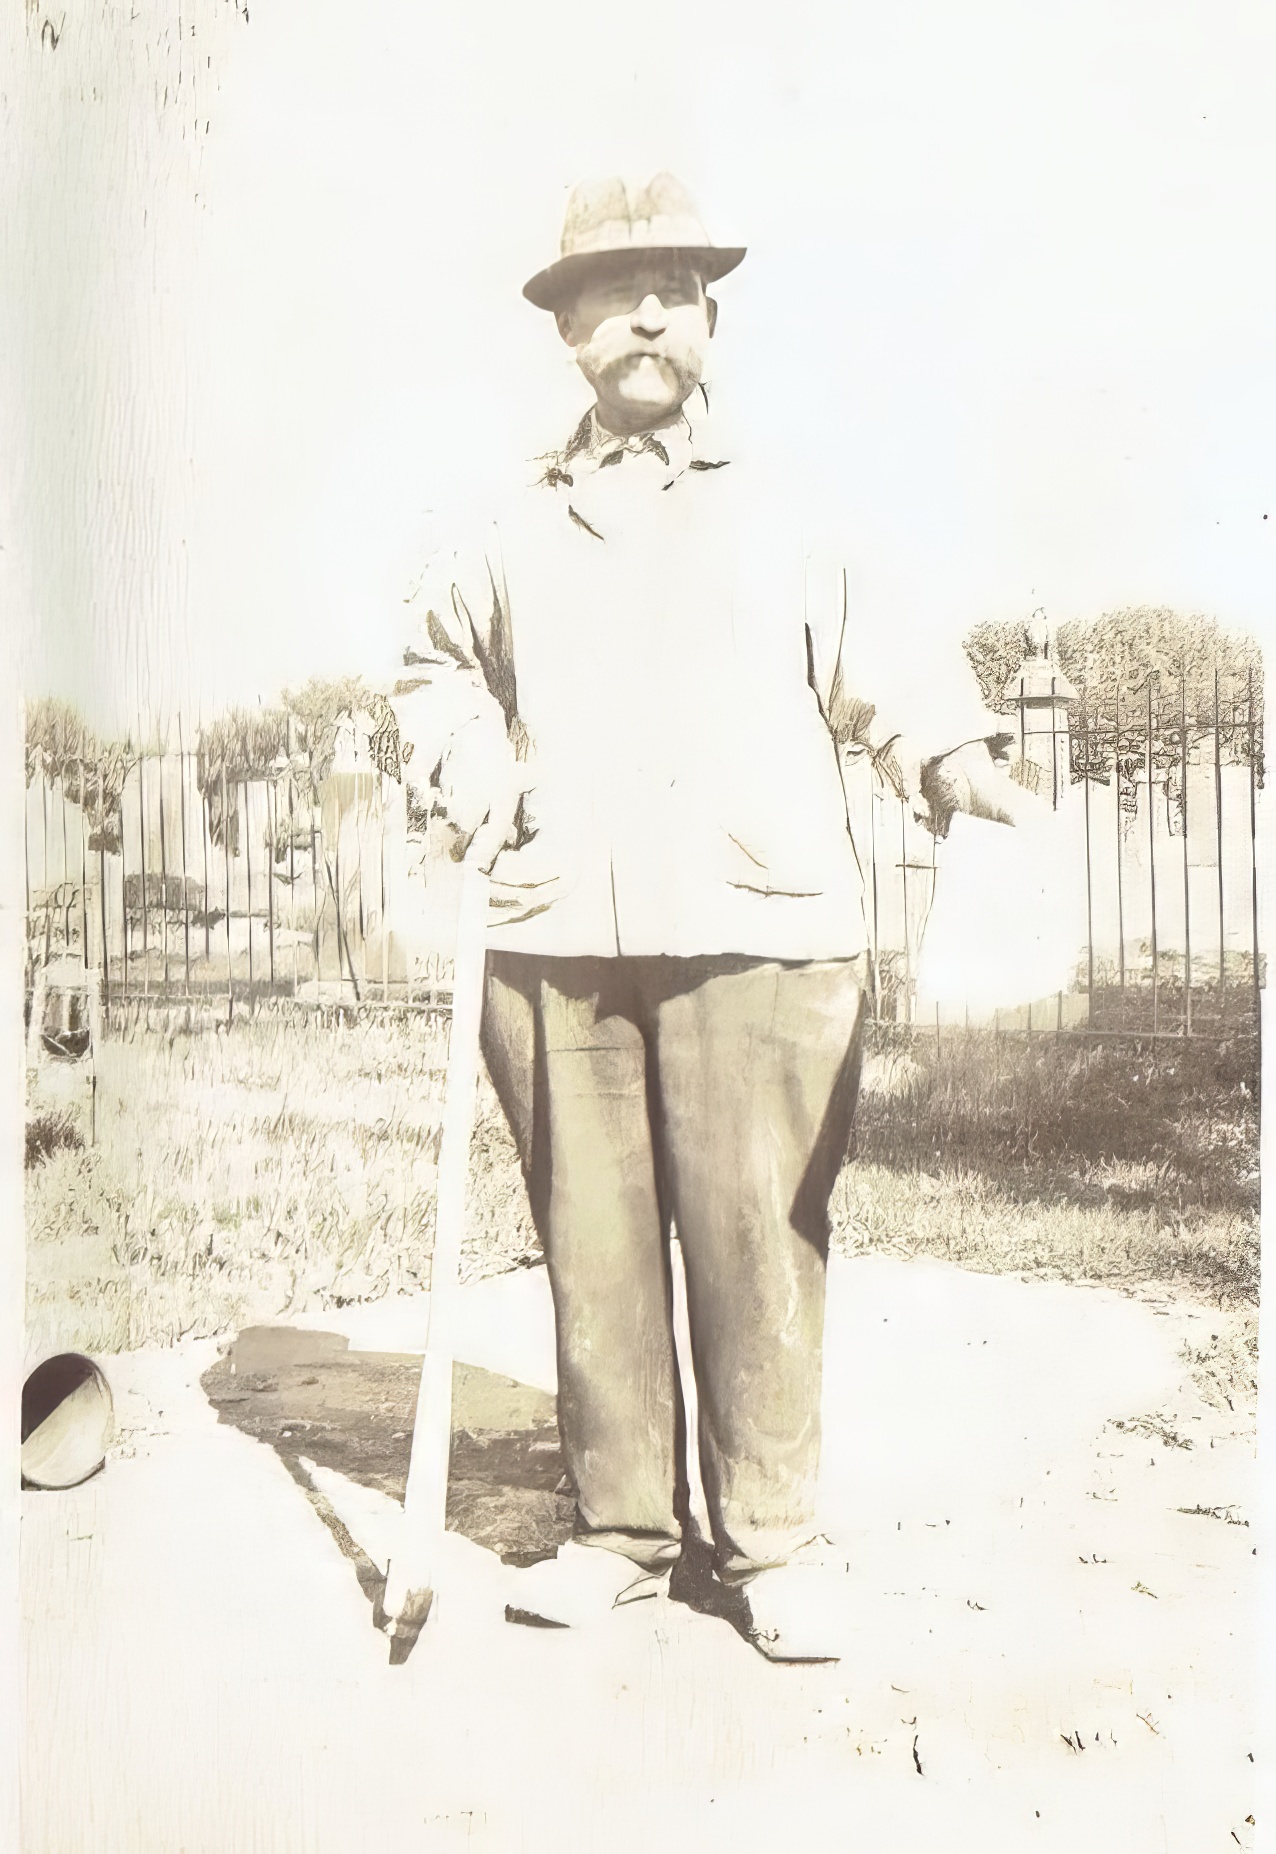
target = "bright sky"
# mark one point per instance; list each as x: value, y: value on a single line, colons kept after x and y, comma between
x: 1009, y: 293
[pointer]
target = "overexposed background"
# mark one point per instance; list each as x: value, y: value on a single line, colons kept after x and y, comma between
x: 1008, y: 290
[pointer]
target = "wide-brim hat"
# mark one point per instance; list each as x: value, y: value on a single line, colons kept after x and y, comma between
x: 608, y: 218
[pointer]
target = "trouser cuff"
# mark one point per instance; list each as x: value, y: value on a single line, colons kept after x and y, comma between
x: 653, y: 1551
x: 762, y: 1551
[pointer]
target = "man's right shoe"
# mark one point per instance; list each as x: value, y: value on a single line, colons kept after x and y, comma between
x: 581, y: 1585
x: 798, y: 1611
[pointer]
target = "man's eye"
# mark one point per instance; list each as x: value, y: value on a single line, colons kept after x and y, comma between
x: 673, y: 292
x: 676, y: 292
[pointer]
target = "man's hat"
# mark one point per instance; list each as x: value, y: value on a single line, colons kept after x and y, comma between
x: 605, y: 217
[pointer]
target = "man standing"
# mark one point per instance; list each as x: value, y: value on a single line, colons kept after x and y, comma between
x: 629, y: 703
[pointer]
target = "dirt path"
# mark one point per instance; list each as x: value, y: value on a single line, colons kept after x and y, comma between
x: 1052, y: 1653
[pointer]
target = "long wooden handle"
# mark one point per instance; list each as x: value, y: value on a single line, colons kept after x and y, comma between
x: 409, y: 1583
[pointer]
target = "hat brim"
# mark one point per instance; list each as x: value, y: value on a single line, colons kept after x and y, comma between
x: 557, y: 283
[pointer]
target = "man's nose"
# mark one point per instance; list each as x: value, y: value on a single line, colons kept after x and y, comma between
x: 649, y: 317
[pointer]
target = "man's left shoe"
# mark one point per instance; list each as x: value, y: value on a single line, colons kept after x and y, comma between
x: 580, y: 1586
x: 798, y: 1611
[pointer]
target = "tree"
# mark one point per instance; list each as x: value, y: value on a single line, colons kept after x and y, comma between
x: 62, y: 748
x: 320, y: 708
x: 240, y: 745
x: 1111, y: 661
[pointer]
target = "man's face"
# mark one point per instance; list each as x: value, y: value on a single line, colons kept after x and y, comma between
x: 640, y: 330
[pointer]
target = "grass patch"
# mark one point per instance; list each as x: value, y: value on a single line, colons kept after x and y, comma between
x: 1104, y: 1162
x: 47, y: 1133
x: 280, y: 1167
x: 1133, y: 1166
x: 287, y: 1166
x: 1171, y: 1128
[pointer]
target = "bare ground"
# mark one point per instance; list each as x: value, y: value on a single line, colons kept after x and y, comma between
x: 1039, y: 1449
x: 1052, y: 1587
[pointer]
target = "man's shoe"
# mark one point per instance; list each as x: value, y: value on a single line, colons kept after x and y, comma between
x: 797, y: 1611
x: 581, y: 1585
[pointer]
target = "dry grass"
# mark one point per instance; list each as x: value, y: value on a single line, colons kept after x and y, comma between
x: 1109, y: 1162
x: 278, y: 1167
x: 1131, y: 1166
x: 50, y: 1132
x: 286, y: 1166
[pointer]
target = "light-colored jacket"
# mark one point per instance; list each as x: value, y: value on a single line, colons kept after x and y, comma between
x: 675, y: 658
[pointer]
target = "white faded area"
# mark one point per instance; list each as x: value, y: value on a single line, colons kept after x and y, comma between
x: 1006, y: 302
x: 1008, y: 922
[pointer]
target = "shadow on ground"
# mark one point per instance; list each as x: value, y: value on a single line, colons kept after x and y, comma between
x: 306, y: 1393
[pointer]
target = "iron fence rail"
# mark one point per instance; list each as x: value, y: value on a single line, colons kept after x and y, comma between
x: 1187, y: 764
x: 241, y: 889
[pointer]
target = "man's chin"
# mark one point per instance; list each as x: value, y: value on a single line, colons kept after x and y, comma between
x: 649, y: 405
x: 650, y: 398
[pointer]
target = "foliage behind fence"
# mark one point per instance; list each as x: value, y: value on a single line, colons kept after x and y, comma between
x: 271, y: 852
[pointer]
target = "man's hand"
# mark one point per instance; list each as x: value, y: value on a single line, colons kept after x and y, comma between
x: 477, y: 788
x: 972, y: 779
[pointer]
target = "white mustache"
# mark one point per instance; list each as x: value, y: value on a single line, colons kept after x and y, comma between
x: 631, y: 361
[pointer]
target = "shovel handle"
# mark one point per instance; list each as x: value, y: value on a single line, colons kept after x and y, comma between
x: 408, y: 1578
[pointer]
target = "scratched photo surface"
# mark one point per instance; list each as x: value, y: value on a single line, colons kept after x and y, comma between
x: 641, y: 818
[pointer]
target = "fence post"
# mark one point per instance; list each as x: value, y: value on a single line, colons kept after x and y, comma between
x: 84, y: 871
x: 1187, y: 883
x: 248, y: 873
x: 163, y: 870
x: 1253, y: 853
x: 1152, y: 858
x: 903, y: 876
x: 1218, y: 826
x: 26, y: 854
x: 358, y: 871
x: 230, y: 966
x: 272, y: 820
x: 186, y: 911
x: 101, y: 876
x: 141, y: 831
x: 123, y: 896
x: 205, y: 831
x: 66, y: 876
x: 872, y: 857
x: 292, y: 873
x: 334, y: 883
x: 1089, y: 880
x: 314, y: 884
x: 385, y: 932
x: 1116, y: 786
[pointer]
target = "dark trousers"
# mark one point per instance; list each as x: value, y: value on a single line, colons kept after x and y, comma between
x: 716, y: 1094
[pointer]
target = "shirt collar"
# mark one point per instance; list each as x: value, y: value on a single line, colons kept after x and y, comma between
x: 667, y: 453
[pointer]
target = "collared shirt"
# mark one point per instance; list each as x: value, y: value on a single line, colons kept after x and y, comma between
x: 670, y: 649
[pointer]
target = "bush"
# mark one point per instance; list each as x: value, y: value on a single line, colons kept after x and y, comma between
x: 50, y: 1133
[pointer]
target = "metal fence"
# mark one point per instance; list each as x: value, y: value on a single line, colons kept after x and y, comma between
x: 1170, y: 789
x: 240, y: 891
x: 175, y: 883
